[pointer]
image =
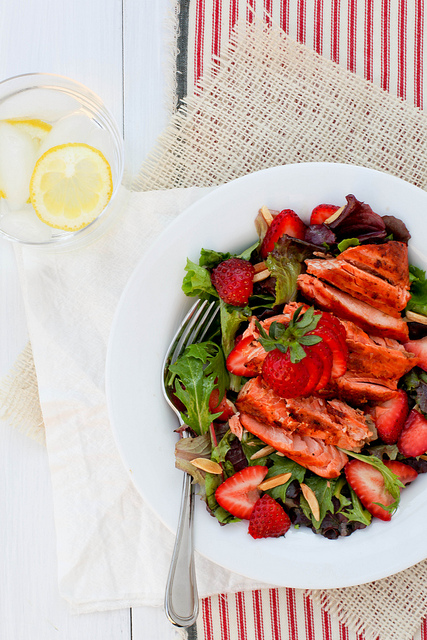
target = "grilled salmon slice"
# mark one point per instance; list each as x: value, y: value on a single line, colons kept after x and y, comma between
x: 358, y: 389
x: 333, y: 422
x: 323, y: 459
x: 377, y: 357
x: 379, y: 293
x: 388, y: 261
x: 371, y: 320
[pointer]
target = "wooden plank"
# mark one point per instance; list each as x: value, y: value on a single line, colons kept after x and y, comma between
x: 152, y: 624
x: 82, y: 40
x: 148, y: 76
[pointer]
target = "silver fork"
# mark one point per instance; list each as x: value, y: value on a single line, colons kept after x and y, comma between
x: 181, y: 598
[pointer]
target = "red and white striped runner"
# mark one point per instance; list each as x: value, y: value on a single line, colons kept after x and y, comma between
x: 383, y: 42
x: 379, y: 40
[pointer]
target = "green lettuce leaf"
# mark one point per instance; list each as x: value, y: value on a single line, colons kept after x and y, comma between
x: 197, y: 372
x: 197, y: 281
x: 285, y: 264
x: 418, y: 291
x: 283, y: 465
x: 324, y: 491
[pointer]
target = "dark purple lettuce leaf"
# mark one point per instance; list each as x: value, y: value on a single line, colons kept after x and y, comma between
x: 320, y: 234
x: 398, y: 228
x: 357, y: 220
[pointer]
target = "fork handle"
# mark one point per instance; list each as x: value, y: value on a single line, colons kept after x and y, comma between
x: 181, y: 598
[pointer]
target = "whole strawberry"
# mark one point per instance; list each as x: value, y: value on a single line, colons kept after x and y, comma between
x: 233, y: 280
x: 268, y: 519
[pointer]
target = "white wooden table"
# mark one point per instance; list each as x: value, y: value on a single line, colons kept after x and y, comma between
x: 118, y: 48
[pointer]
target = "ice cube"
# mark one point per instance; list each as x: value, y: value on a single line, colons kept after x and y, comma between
x: 76, y: 127
x: 17, y: 159
x: 46, y: 104
x: 24, y: 225
x: 102, y: 140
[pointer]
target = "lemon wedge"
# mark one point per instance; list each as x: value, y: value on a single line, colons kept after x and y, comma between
x: 35, y: 128
x: 70, y: 186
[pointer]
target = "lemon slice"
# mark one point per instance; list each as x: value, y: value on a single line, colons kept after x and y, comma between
x: 70, y: 186
x: 35, y: 128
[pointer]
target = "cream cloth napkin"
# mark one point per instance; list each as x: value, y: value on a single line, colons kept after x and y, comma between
x: 113, y: 551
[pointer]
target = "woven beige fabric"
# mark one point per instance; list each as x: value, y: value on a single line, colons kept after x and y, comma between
x: 276, y: 102
x: 19, y: 397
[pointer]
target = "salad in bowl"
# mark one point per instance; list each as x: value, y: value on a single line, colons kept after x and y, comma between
x: 306, y: 406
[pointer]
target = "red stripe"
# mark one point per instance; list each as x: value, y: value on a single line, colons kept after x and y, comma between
x: 301, y: 24
x: 424, y: 629
x: 308, y: 617
x: 241, y: 616
x: 268, y: 11
x: 199, y: 37
x: 369, y: 36
x: 419, y: 46
x: 275, y: 615
x: 385, y: 44
x: 284, y: 15
x: 401, y: 49
x: 207, y: 618
x: 292, y: 614
x: 258, y: 619
x: 318, y: 26
x: 352, y: 25
x: 343, y: 632
x: 216, y: 34
x: 326, y: 625
x: 234, y: 14
x: 250, y: 11
x: 223, y: 616
x: 335, y: 29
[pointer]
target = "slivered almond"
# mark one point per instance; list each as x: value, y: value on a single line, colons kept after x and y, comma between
x: 275, y: 481
x: 266, y: 214
x: 423, y: 457
x: 259, y: 266
x: 207, y: 465
x: 310, y: 496
x: 261, y: 275
x: 265, y: 451
x: 335, y: 215
x: 416, y: 317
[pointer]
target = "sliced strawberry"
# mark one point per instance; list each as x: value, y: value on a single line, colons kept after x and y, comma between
x: 325, y: 354
x: 404, y: 472
x: 239, y: 493
x: 314, y: 365
x: 233, y: 280
x: 240, y: 360
x: 286, y: 222
x: 390, y: 417
x: 225, y: 406
x: 333, y: 323
x: 322, y: 212
x: 338, y: 348
x: 368, y: 484
x: 268, y: 519
x: 419, y: 348
x: 412, y: 441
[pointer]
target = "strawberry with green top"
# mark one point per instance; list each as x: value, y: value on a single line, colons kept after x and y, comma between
x: 295, y: 365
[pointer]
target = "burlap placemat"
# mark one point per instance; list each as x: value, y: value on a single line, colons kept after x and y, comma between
x: 276, y: 102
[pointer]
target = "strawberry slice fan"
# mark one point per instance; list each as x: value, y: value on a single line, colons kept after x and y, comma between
x: 381, y: 41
